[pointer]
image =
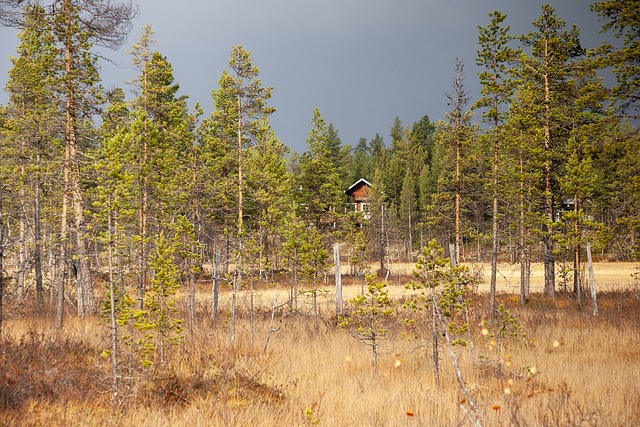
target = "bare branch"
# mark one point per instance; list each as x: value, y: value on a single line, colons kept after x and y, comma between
x: 108, y: 21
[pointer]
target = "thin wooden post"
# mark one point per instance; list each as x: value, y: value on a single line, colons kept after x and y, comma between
x: 452, y: 255
x: 592, y: 280
x: 336, y: 260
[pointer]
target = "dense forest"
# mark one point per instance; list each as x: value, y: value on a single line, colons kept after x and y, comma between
x: 143, y: 193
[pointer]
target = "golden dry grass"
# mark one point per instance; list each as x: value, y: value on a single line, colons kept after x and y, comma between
x: 585, y: 371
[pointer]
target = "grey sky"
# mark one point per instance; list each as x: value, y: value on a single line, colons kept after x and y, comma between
x: 361, y: 62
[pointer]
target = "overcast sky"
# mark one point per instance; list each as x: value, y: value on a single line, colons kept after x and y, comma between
x: 361, y: 62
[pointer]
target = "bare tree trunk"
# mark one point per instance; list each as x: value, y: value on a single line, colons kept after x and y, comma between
x: 476, y: 417
x: 577, y: 287
x: 271, y: 329
x: 216, y: 284
x: 458, y: 200
x: 86, y: 301
x: 548, y: 257
x: 592, y: 281
x: 527, y: 273
x: 85, y: 288
x: 453, y: 261
x: 338, y: 275
x: 382, y: 235
x: 410, y: 249
x: 294, y: 289
x: 2, y: 245
x: 240, y: 169
x: 37, y: 241
x: 251, y: 313
x: 494, y: 228
x: 61, y: 277
x: 22, y: 248
x: 234, y: 295
x: 191, y: 299
x: 142, y: 220
x: 435, y: 337
x: 112, y: 303
x: 524, y: 294
x: 316, y: 325
x: 71, y: 156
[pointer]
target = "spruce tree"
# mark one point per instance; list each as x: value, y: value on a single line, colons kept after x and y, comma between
x: 408, y: 211
x: 320, y: 195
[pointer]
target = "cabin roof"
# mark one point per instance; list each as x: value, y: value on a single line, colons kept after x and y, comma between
x: 357, y: 184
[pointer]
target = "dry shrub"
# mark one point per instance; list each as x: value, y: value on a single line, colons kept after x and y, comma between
x: 38, y: 367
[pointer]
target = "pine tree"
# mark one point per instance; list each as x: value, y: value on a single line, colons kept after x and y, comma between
x: 553, y: 57
x: 3, y: 219
x: 161, y: 153
x: 524, y: 165
x: 494, y: 57
x: 458, y: 131
x: 141, y: 54
x: 113, y: 213
x: 371, y: 319
x: 621, y: 17
x: 422, y: 138
x: 159, y: 317
x: 580, y: 179
x: 293, y: 234
x: 32, y: 113
x: 75, y: 32
x: 233, y: 128
x: 250, y: 99
x: 313, y: 264
x: 270, y: 191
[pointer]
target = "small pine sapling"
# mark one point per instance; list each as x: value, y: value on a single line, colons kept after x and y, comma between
x: 371, y: 317
x: 159, y: 318
x: 430, y: 272
x: 313, y: 257
x: 443, y: 292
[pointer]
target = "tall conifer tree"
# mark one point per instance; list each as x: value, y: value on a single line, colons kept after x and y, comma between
x: 31, y: 125
x: 494, y: 56
x: 552, y: 58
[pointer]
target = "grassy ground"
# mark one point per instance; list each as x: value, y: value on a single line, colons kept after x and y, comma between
x: 571, y: 369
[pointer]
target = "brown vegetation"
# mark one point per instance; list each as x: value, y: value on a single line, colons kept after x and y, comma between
x: 571, y: 369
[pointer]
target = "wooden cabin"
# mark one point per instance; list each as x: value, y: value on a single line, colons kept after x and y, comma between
x: 359, y: 192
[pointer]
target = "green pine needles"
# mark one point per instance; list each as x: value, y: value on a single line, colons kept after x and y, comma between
x: 159, y: 317
x: 371, y: 317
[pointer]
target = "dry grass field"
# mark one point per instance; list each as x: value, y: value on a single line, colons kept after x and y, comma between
x: 571, y: 369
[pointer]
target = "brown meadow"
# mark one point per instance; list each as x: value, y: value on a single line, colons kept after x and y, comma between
x: 571, y: 369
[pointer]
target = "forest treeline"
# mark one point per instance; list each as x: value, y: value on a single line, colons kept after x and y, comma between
x: 138, y: 190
